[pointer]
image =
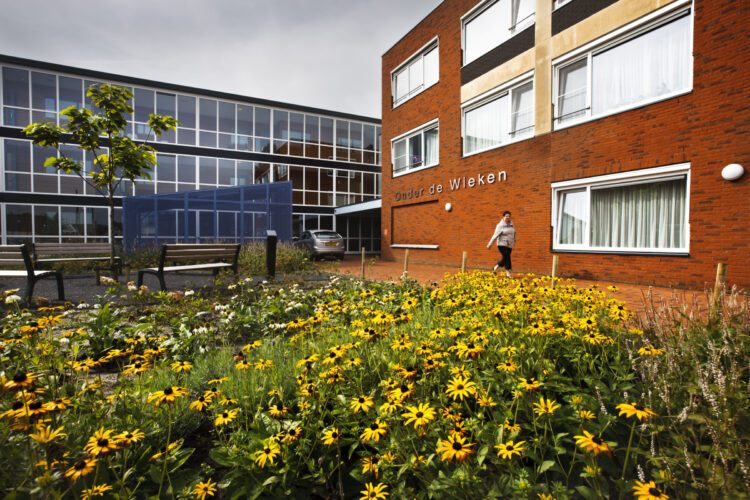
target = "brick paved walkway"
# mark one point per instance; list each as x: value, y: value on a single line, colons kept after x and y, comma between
x: 639, y: 298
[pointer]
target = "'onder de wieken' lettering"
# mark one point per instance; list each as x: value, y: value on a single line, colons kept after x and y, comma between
x: 454, y: 184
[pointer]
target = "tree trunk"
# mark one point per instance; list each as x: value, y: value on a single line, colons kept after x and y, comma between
x: 112, y: 234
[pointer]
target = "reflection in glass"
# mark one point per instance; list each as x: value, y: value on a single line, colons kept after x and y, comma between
x: 43, y: 91
x: 15, y: 87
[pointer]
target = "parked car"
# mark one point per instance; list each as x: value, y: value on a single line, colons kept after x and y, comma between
x: 321, y: 243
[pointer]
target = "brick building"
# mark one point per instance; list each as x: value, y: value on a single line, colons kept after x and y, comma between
x: 604, y: 126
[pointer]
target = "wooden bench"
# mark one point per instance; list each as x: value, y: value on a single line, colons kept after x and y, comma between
x: 19, y: 256
x: 49, y: 253
x: 222, y: 256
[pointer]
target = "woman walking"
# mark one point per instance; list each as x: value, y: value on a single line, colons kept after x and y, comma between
x: 505, y: 234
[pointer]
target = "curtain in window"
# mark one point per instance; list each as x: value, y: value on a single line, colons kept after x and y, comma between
x: 431, y: 147
x: 484, y: 125
x: 399, y: 155
x: 522, y: 118
x: 639, y: 216
x: 431, y: 67
x: 654, y: 64
x: 571, y: 101
x: 572, y: 217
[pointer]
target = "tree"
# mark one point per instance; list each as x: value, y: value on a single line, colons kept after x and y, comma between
x: 92, y: 132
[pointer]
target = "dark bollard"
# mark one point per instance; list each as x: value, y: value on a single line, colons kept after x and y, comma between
x: 271, y: 252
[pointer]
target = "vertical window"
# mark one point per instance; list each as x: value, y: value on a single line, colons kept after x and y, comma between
x: 416, y: 149
x: 653, y: 64
x: 504, y: 117
x: 494, y: 23
x: 420, y: 72
x: 15, y: 97
x: 642, y: 211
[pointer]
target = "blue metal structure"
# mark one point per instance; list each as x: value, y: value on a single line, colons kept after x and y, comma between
x: 231, y: 214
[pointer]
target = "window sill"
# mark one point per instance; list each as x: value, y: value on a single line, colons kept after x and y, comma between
x: 415, y: 95
x: 411, y: 171
x: 634, y: 252
x: 420, y: 247
x: 473, y: 153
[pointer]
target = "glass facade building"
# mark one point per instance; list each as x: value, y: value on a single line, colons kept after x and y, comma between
x: 332, y: 159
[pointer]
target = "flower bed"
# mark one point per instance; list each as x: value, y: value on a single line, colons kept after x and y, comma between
x: 484, y: 388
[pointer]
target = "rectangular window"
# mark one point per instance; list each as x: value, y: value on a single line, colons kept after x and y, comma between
x: 416, y: 149
x: 492, y: 23
x: 420, y: 72
x: 504, y: 117
x: 653, y: 64
x: 641, y: 211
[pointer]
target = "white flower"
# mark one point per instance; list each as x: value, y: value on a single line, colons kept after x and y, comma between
x: 188, y: 293
x: 82, y: 305
x: 12, y: 299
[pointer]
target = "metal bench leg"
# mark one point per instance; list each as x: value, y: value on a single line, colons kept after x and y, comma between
x: 60, y: 287
x: 30, y: 282
x: 140, y: 278
x: 162, y: 282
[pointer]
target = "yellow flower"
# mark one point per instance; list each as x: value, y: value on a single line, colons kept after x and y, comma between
x: 136, y: 368
x: 168, y: 395
x: 510, y: 427
x: 45, y: 435
x: 585, y: 415
x: 308, y: 360
x: 200, y: 403
x: 650, y: 351
x: 455, y: 448
x: 545, y: 407
x: 374, y: 432
x: 389, y: 407
x: 217, y: 381
x: 81, y: 468
x: 243, y: 364
x: 21, y: 380
x: 508, y: 449
x: 226, y: 417
x: 421, y: 415
x: 128, y: 437
x: 201, y: 490
x: 292, y: 434
x: 278, y: 410
x: 648, y: 491
x: 362, y: 403
x: 374, y: 492
x: 529, y: 384
x: 591, y: 443
x: 370, y: 466
x: 96, y: 491
x: 267, y: 454
x: 181, y: 366
x: 637, y: 409
x: 507, y: 366
x: 460, y: 387
x: 165, y: 450
x: 331, y: 436
x: 101, y: 443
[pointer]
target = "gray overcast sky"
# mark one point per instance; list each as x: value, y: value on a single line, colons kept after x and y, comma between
x: 320, y: 53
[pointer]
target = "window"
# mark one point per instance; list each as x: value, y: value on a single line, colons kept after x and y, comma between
x: 560, y: 3
x: 504, y: 117
x: 417, y: 74
x: 416, y: 149
x: 654, y: 64
x: 492, y: 23
x: 640, y: 211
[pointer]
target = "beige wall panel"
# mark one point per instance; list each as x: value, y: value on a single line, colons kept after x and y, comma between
x: 603, y: 22
x: 498, y: 76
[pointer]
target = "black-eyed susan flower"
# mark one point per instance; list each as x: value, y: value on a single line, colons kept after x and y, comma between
x: 215, y: 381
x: 374, y: 431
x: 635, y: 409
x: 129, y: 437
x: 226, y: 417
x: 331, y: 436
x: 361, y: 403
x: 44, y: 435
x: 81, y: 468
x: 390, y: 406
x: 243, y: 364
x: 263, y: 364
x: 101, y: 443
x: 165, y: 450
x: 181, y: 366
x: 591, y: 443
x: 508, y: 449
x: 510, y: 427
x: 545, y: 407
x: 267, y: 454
x: 376, y: 492
x: 168, y: 395
x: 530, y: 384
x: 460, y: 387
x: 278, y: 410
x: 204, y: 489
x: 21, y: 380
x: 455, y: 448
x: 370, y: 465
x: 648, y: 491
x: 200, y: 403
x: 307, y: 361
x: 136, y: 368
x: 97, y: 491
x: 292, y: 434
x: 585, y: 415
x: 420, y: 415
x: 650, y: 350
x: 507, y: 366
x: 58, y: 404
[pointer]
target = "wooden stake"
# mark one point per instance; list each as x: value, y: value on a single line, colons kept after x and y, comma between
x: 555, y: 259
x: 463, y: 262
x: 721, y: 277
x: 363, y: 262
x: 406, y: 261
x: 127, y: 274
x: 98, y: 276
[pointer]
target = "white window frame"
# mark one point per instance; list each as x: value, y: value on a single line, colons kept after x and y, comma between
x: 431, y: 125
x: 477, y: 11
x: 404, y: 67
x: 496, y: 93
x: 560, y: 3
x: 645, y: 176
x: 622, y: 35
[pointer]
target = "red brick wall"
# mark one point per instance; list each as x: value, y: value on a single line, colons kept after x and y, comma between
x: 709, y: 128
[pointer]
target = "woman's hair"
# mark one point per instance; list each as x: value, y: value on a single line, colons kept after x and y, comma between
x: 507, y: 212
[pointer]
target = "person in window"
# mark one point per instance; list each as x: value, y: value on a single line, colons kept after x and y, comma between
x: 505, y: 234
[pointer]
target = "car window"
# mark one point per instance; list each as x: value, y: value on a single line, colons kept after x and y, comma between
x: 327, y: 235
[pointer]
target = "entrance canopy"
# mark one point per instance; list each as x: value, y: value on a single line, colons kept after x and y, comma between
x: 230, y: 214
